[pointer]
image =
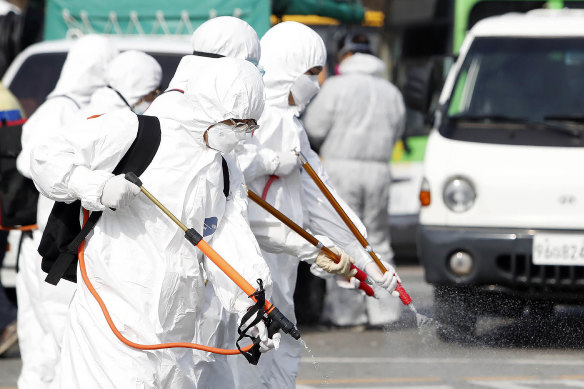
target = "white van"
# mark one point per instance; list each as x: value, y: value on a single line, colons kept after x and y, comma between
x: 502, y: 221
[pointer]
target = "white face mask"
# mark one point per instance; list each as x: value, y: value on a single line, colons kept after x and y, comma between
x: 140, y: 107
x: 221, y: 137
x: 304, y: 89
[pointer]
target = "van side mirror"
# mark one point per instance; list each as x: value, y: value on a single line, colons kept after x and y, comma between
x: 419, y: 87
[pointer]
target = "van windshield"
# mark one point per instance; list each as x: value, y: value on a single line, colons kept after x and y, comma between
x: 534, y: 80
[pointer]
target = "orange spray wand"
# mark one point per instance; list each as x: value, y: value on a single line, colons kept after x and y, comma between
x: 197, y: 240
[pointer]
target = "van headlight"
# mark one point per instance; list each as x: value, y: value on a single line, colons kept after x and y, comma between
x: 459, y: 194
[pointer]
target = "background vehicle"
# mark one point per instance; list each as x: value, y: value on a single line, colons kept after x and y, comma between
x: 501, y: 228
x: 424, y: 37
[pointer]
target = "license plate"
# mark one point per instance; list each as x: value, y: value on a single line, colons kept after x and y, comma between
x: 558, y: 249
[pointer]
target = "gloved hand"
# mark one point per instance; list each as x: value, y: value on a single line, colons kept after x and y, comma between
x: 118, y: 192
x: 266, y: 344
x: 387, y: 281
x: 288, y: 161
x: 343, y: 268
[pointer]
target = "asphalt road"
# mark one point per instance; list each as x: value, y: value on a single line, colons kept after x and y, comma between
x: 520, y: 354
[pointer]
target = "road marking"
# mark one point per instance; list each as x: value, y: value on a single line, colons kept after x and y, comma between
x: 502, y: 378
x: 517, y: 383
x: 386, y: 380
x: 400, y: 386
x: 512, y: 361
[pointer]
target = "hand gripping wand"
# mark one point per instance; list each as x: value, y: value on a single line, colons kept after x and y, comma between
x: 361, y: 276
x: 403, y: 295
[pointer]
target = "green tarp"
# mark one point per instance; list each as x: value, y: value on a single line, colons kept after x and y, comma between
x: 65, y: 17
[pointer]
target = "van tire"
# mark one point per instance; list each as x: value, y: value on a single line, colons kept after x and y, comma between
x: 456, y: 314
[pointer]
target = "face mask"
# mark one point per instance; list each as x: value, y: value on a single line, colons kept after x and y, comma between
x: 304, y: 89
x: 221, y: 137
x: 140, y: 107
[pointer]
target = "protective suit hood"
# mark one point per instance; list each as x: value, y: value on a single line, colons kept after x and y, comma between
x: 289, y: 50
x: 227, y: 36
x: 134, y: 74
x: 217, y: 89
x: 85, y: 68
x: 360, y: 63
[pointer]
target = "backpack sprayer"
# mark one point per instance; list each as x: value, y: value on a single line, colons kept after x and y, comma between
x: 274, y: 319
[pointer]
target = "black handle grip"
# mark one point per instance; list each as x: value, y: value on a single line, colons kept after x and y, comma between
x: 133, y: 178
x: 283, y: 323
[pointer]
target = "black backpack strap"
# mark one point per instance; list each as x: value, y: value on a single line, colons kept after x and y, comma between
x: 144, y: 148
x: 225, y: 177
x: 63, y: 234
x: 61, y: 267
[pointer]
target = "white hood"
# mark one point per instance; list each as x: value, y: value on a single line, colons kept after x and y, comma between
x: 227, y: 36
x: 289, y: 50
x: 360, y: 63
x: 217, y: 89
x: 85, y: 68
x: 134, y: 74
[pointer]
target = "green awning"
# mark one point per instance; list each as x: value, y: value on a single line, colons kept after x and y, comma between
x: 64, y: 17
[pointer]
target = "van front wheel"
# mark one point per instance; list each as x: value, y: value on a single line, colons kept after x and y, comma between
x: 455, y: 313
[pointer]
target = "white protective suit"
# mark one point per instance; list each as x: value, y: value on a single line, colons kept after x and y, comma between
x: 355, y: 119
x: 130, y: 76
x: 288, y: 50
x: 42, y: 308
x: 151, y: 279
x: 229, y: 37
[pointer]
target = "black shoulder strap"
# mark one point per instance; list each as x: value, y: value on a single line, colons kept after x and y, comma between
x: 144, y: 147
x: 58, y: 241
x: 225, y: 177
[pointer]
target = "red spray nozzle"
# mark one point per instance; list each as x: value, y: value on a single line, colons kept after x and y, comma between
x: 361, y: 275
x: 403, y: 295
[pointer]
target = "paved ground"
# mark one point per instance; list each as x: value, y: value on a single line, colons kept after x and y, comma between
x: 523, y: 354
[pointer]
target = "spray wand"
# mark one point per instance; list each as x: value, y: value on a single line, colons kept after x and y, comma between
x: 361, y: 276
x: 403, y: 295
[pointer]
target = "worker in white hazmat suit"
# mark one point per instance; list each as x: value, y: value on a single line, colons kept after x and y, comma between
x: 355, y: 120
x: 42, y: 308
x: 133, y: 81
x: 224, y: 36
x: 292, y: 56
x: 151, y: 279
